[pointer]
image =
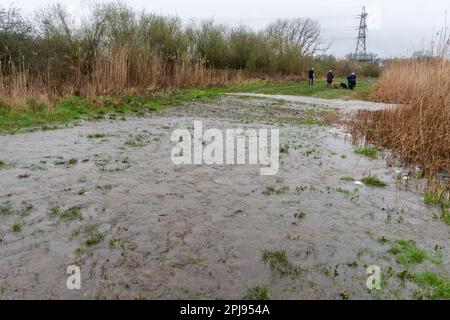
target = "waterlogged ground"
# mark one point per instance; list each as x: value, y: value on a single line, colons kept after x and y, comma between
x: 105, y: 196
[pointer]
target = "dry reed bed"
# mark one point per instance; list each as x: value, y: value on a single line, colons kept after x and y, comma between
x: 418, y: 130
x: 117, y: 71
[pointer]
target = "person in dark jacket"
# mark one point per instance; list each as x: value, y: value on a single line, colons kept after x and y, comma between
x: 351, y: 79
x: 330, y: 77
x: 311, y: 76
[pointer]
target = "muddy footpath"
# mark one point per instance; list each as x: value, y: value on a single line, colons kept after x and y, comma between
x: 106, y: 196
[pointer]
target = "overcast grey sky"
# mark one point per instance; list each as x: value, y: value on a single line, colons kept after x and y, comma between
x: 396, y: 27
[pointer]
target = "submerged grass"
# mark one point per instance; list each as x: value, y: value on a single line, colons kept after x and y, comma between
x: 406, y: 252
x: 258, y: 293
x: 373, y: 181
x: 16, y: 227
x: 70, y: 214
x: 445, y: 215
x: 435, y: 286
x: 368, y: 151
x: 272, y: 190
x: 279, y: 263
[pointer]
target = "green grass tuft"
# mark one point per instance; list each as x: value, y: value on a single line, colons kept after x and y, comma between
x: 436, y: 287
x: 95, y: 238
x: 272, y: 190
x: 258, y: 293
x: 279, y: 263
x: 373, y: 181
x: 96, y: 135
x: 368, y: 151
x: 73, y: 213
x: 445, y: 215
x: 16, y: 227
x: 406, y: 252
x: 6, y: 209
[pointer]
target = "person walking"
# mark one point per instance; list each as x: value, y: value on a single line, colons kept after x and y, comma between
x: 311, y: 77
x: 330, y: 78
x: 351, y: 79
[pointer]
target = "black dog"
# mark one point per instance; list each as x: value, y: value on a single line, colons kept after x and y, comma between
x: 343, y: 86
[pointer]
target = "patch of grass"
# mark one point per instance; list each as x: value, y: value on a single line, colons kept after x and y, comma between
x: 301, y: 88
x: 54, y: 211
x: 279, y: 263
x: 406, y: 252
x: 73, y: 213
x: 272, y: 190
x: 373, y: 181
x: 116, y: 241
x: 23, y: 176
x: 368, y: 151
x: 435, y: 199
x: 3, y: 286
x: 431, y: 199
x: 2, y: 164
x: 344, y: 295
x: 82, y: 192
x: 16, y: 227
x: 191, y: 261
x: 383, y: 240
x: 72, y: 162
x: 445, y: 215
x: 95, y: 238
x: 37, y: 167
x: 436, y: 287
x: 96, y: 135
x: 6, y: 209
x: 76, y: 232
x: 258, y: 293
x: 80, y: 251
x: 299, y: 214
x: 70, y: 214
x: 25, y: 210
x: 344, y: 191
x: 347, y: 179
x: 136, y: 141
x: 284, y: 148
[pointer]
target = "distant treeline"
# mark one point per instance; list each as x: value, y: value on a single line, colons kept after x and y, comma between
x: 113, y: 48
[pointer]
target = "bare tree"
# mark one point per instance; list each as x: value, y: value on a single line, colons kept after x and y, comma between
x: 301, y: 35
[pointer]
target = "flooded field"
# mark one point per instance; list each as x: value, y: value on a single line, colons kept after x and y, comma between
x: 106, y: 196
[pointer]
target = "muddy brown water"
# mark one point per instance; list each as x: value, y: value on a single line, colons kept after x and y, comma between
x: 199, y: 231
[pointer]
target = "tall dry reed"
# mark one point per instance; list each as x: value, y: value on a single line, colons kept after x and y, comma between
x: 418, y: 129
x: 116, y: 71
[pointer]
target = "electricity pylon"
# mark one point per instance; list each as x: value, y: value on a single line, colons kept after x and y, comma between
x: 360, y: 51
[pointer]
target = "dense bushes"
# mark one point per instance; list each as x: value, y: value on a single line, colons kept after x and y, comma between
x: 115, y: 50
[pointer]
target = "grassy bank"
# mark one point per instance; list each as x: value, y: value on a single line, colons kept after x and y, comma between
x: 301, y: 88
x: 34, y: 115
x: 40, y: 116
